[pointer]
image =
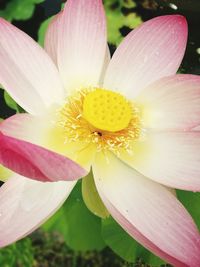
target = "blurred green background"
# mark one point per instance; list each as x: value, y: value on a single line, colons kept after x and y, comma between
x: 74, y: 237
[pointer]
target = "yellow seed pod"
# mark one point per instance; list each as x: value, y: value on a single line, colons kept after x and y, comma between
x: 107, y: 110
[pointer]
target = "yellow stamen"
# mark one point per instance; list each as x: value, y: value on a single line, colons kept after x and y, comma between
x: 81, y: 119
x: 107, y: 110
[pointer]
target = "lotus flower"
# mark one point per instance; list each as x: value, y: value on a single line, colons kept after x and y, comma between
x: 130, y: 118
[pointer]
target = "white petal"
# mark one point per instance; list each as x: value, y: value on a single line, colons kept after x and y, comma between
x: 82, y: 43
x: 172, y: 103
x: 150, y: 208
x: 170, y: 158
x: 51, y: 38
x: 153, y: 50
x: 26, y: 204
x: 27, y: 72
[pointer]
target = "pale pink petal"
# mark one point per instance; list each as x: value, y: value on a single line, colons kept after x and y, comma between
x: 37, y: 162
x: 172, y: 103
x: 27, y: 72
x: 197, y: 128
x: 105, y: 65
x: 139, y: 203
x: 51, y: 38
x: 26, y: 204
x: 25, y: 127
x: 153, y: 50
x: 82, y: 43
x: 170, y: 158
x: 132, y: 231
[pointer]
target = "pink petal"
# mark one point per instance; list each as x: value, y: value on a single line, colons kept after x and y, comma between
x: 172, y: 103
x: 51, y: 38
x: 25, y: 127
x: 144, y: 206
x: 26, y: 204
x: 26, y: 70
x: 132, y: 231
x: 36, y: 162
x: 152, y: 51
x: 169, y: 158
x: 197, y: 128
x: 82, y: 43
x: 42, y: 131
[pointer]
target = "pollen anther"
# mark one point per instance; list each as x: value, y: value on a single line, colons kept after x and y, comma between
x: 101, y: 117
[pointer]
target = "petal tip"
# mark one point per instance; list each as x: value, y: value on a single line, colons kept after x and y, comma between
x: 180, y: 18
x: 177, y: 18
x: 181, y: 21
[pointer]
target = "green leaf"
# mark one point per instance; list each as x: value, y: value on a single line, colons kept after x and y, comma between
x: 10, y: 102
x: 42, y: 30
x: 191, y: 201
x: 18, y: 254
x: 116, y: 19
x: 80, y: 228
x: 124, y: 245
x: 19, y: 9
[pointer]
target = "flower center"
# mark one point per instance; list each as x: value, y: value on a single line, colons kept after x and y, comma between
x: 101, y: 117
x: 107, y: 110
